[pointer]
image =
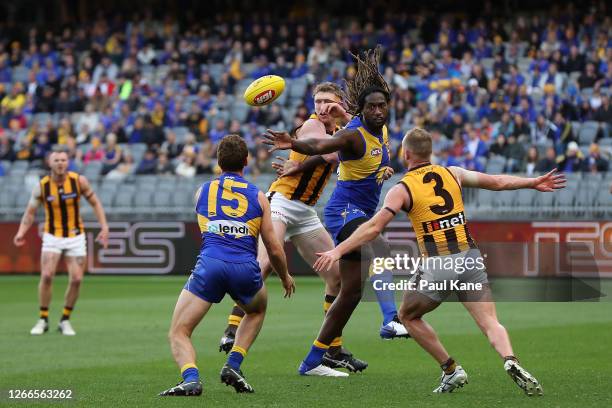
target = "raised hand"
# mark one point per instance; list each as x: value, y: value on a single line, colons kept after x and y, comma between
x: 550, y: 181
x: 278, y: 140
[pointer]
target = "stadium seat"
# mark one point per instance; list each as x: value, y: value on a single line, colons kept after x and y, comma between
x: 543, y: 200
x: 298, y: 88
x: 92, y: 168
x: 216, y: 70
x: 123, y: 199
x: 565, y: 198
x: 604, y: 199
x: 503, y: 200
x: 7, y: 199
x: 240, y: 111
x: 142, y: 199
x: 573, y: 176
x: 525, y: 197
x: 496, y: 165
x: 587, y: 133
x: 106, y: 197
x: 161, y: 198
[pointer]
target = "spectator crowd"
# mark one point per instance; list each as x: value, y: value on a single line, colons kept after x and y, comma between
x: 519, y: 92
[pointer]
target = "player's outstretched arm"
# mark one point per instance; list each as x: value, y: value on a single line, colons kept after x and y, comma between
x: 548, y: 182
x: 344, y: 140
x: 396, y: 199
x: 273, y: 247
x: 28, y: 216
x: 92, y: 198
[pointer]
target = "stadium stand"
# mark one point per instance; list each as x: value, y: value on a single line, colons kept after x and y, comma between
x: 490, y: 87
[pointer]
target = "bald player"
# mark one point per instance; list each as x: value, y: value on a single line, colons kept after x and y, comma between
x: 431, y: 196
x: 59, y: 192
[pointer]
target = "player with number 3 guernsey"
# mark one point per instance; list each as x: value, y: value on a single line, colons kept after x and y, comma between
x: 232, y: 213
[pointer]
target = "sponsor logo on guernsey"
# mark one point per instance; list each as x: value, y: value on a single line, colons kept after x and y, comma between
x: 377, y: 151
x: 447, y: 222
x: 236, y: 228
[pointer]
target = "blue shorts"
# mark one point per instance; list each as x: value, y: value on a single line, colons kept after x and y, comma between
x: 337, y: 217
x: 212, y: 278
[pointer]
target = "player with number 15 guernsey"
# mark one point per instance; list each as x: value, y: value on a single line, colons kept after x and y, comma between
x: 232, y: 213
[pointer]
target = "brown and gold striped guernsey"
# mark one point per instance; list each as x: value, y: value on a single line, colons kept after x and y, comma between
x: 437, y: 212
x: 307, y: 186
x: 61, y: 202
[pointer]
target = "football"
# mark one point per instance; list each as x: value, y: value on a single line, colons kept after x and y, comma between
x: 264, y: 90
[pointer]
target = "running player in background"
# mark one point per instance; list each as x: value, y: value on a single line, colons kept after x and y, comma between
x: 232, y: 214
x: 431, y: 196
x: 363, y: 151
x: 294, y: 218
x: 60, y: 192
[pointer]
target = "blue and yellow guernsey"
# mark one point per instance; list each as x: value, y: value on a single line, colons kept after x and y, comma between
x: 229, y: 216
x: 360, y: 179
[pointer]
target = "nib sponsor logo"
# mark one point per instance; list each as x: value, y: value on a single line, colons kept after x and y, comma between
x: 235, y: 228
x: 447, y: 222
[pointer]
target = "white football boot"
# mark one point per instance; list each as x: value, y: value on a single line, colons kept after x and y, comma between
x: 393, y: 330
x: 449, y: 382
x: 66, y: 328
x: 523, y: 379
x: 321, y: 371
x: 41, y: 327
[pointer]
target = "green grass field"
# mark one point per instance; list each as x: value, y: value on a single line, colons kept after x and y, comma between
x: 120, y: 356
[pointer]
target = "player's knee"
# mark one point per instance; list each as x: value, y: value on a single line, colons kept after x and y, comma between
x: 349, y: 297
x: 333, y: 286
x: 177, y: 332
x: 75, y: 281
x: 407, y: 314
x: 46, y: 278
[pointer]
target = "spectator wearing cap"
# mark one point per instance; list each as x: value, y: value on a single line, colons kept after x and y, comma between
x: 572, y: 160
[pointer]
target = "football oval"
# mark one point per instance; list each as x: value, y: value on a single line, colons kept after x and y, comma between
x: 264, y: 90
